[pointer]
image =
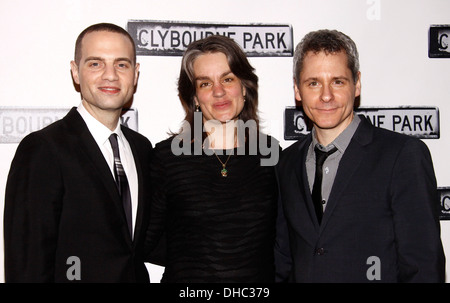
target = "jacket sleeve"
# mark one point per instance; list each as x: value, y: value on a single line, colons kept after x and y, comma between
x: 32, y: 209
x: 282, y: 253
x: 155, y: 243
x: 415, y: 206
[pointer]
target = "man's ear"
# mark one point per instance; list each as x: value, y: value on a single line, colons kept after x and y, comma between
x: 136, y: 73
x: 297, y: 92
x: 74, y: 69
x: 358, y: 85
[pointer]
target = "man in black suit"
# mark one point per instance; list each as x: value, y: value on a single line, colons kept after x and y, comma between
x: 64, y: 219
x: 376, y: 211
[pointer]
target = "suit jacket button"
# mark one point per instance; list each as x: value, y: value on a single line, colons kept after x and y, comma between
x: 320, y: 251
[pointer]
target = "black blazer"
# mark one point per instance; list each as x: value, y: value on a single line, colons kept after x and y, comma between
x: 383, y: 204
x: 62, y: 201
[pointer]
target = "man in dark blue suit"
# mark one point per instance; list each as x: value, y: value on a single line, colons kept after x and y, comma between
x: 64, y: 218
x: 369, y: 211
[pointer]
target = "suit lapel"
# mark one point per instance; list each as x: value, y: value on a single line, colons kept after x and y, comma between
x: 302, y: 177
x: 93, y: 154
x: 348, y: 165
x: 140, y: 177
x: 294, y: 191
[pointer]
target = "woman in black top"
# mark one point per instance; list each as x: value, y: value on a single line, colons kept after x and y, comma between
x: 215, y: 190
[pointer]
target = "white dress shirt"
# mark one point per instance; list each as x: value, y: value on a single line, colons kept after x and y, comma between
x: 101, y: 135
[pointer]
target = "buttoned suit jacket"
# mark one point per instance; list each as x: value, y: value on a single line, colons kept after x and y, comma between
x: 61, y: 202
x: 381, y: 220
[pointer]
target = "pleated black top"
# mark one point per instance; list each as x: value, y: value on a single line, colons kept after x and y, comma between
x: 218, y: 229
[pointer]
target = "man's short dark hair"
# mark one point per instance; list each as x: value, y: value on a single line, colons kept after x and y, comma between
x: 108, y: 27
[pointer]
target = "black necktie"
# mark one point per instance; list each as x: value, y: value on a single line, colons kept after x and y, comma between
x: 317, y: 187
x: 121, y: 181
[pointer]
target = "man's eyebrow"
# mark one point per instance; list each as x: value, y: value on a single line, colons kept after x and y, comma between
x: 123, y: 59
x: 310, y: 79
x: 334, y: 78
x: 94, y: 58
x: 341, y: 78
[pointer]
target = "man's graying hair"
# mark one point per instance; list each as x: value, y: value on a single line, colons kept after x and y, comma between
x: 328, y: 41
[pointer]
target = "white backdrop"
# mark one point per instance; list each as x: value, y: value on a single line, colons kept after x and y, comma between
x: 38, y: 40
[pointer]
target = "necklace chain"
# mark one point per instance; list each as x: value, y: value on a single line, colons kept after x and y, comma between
x: 224, y: 170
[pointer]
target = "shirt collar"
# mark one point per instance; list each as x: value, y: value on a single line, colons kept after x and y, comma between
x: 99, y: 131
x: 343, y: 140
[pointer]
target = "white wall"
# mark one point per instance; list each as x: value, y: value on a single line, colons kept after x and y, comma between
x: 38, y: 40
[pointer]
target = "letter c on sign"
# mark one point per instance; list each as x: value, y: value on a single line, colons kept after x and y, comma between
x: 144, y: 31
x: 443, y: 45
x: 445, y: 203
